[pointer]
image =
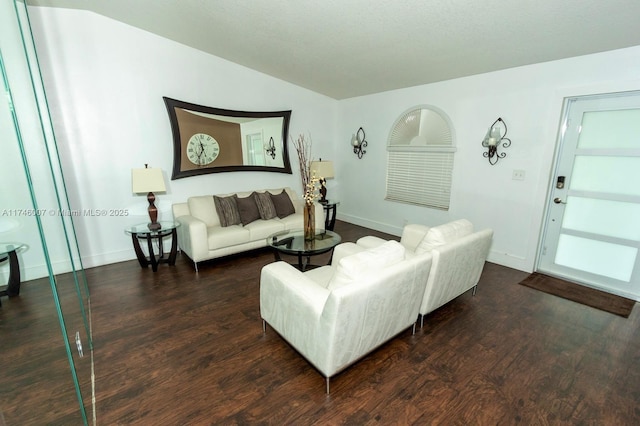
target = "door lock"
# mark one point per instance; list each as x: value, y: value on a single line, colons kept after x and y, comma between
x: 560, y: 182
x: 558, y: 200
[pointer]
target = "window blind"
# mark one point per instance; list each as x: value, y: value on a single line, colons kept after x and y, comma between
x: 421, y: 177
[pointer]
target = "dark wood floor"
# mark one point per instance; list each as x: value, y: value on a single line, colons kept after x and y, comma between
x: 176, y: 347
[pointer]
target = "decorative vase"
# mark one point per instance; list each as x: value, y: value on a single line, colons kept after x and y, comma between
x: 309, y: 215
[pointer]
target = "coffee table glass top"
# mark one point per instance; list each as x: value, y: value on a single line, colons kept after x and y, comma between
x: 293, y: 242
x: 6, y: 248
x: 143, y: 228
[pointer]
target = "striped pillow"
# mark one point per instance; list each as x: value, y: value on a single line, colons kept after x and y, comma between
x: 265, y: 205
x: 227, y: 210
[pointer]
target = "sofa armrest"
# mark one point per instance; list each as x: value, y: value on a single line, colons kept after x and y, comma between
x: 284, y: 286
x: 343, y: 250
x: 456, y: 268
x: 292, y: 304
x: 412, y: 235
x: 192, y: 237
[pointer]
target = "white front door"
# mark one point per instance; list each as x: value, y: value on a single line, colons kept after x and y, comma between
x: 592, y: 227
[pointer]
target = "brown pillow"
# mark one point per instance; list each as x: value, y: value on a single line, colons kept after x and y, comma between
x: 265, y: 205
x: 248, y: 209
x: 282, y: 203
x: 227, y: 209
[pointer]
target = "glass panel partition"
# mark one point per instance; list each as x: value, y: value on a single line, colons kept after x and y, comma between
x: 35, y: 212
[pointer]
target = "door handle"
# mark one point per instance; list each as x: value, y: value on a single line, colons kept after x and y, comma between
x: 558, y: 200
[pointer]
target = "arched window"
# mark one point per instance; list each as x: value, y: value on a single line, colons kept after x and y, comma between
x: 420, y: 164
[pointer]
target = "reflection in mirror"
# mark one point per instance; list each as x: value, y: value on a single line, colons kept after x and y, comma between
x: 210, y: 140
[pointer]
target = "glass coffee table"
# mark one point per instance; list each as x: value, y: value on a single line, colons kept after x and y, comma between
x: 293, y: 243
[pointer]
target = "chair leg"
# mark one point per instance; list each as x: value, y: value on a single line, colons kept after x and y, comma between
x: 475, y: 287
x: 264, y: 327
x: 327, y: 386
x: 421, y: 320
x: 414, y: 328
x: 195, y: 265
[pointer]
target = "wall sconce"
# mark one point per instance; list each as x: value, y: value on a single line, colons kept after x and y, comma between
x: 493, y: 139
x: 358, y: 143
x: 148, y: 180
x: 271, y: 148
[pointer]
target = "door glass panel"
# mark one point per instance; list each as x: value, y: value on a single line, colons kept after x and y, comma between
x: 610, y: 129
x: 602, y: 217
x: 613, y: 175
x: 597, y: 257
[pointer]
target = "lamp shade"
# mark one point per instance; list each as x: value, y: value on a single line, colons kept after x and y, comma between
x: 147, y: 180
x: 323, y: 169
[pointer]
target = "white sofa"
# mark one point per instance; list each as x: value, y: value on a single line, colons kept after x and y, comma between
x: 459, y: 254
x: 201, y: 235
x: 334, y: 315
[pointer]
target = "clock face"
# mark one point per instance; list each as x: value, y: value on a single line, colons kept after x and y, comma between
x: 202, y: 149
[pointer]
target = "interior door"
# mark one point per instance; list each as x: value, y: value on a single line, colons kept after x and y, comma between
x: 592, y: 227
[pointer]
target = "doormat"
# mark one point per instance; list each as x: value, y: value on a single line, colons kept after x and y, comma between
x: 581, y: 294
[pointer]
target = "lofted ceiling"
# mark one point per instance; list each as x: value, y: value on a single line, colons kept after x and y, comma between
x: 347, y: 48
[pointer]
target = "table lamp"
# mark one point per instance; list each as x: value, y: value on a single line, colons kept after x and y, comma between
x: 323, y: 169
x: 148, y: 180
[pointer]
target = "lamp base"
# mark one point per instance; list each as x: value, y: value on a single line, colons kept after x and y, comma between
x: 154, y: 226
x: 323, y: 192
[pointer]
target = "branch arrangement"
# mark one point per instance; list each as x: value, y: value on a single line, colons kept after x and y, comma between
x: 303, y: 149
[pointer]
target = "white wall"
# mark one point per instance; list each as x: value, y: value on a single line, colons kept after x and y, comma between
x: 529, y: 99
x: 105, y: 81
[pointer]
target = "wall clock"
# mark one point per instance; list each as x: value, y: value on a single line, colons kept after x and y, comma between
x: 211, y: 140
x: 202, y: 149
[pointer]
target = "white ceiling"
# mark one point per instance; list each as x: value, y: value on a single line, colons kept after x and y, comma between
x: 346, y: 48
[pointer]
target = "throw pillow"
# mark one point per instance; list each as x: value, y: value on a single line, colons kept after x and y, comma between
x: 227, y: 209
x: 369, y: 261
x: 443, y: 234
x: 265, y: 205
x: 248, y: 209
x: 282, y: 203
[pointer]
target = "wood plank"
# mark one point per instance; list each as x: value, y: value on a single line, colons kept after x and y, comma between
x: 176, y: 347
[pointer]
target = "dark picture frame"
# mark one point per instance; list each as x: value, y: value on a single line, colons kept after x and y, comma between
x: 215, y: 140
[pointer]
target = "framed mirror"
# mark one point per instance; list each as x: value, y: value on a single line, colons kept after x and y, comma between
x: 213, y: 140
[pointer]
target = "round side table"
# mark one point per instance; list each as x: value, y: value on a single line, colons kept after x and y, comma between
x: 8, y: 251
x: 330, y: 211
x: 142, y: 232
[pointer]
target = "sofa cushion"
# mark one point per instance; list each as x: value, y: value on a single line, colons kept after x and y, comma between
x: 262, y: 229
x: 293, y: 221
x: 220, y: 238
x: 282, y: 203
x: 265, y: 205
x: 227, y: 210
x: 443, y: 234
x: 248, y: 209
x: 366, y: 262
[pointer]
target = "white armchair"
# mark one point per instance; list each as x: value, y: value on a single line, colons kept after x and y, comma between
x: 334, y: 315
x: 458, y: 254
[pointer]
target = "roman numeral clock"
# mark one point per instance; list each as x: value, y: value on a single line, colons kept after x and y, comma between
x: 202, y: 149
